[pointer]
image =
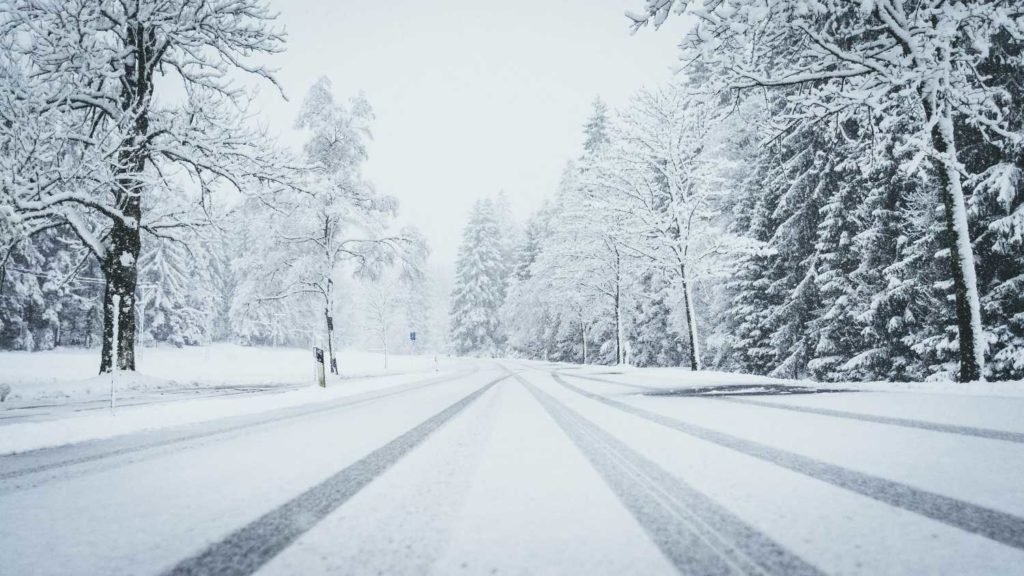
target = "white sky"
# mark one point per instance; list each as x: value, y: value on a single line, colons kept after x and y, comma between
x: 470, y: 97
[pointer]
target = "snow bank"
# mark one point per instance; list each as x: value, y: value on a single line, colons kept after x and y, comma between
x: 684, y: 378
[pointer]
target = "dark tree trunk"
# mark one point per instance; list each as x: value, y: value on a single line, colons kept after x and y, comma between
x: 121, y: 280
x: 583, y: 338
x: 120, y: 263
x: 691, y: 321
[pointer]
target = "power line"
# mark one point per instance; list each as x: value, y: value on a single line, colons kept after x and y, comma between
x: 76, y: 277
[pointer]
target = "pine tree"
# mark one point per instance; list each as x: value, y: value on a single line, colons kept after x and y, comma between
x: 595, y: 132
x: 477, y: 297
x: 653, y: 339
x: 178, y: 298
x: 834, y: 330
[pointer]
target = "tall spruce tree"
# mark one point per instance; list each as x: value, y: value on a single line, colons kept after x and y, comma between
x: 479, y: 286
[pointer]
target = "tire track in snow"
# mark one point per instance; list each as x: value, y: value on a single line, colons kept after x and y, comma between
x: 250, y: 547
x: 992, y: 524
x: 986, y: 433
x: 696, y: 534
x: 52, y: 459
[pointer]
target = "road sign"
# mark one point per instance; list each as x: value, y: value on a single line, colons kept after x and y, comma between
x: 412, y: 336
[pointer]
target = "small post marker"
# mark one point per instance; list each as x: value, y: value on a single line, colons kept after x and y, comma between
x: 321, y: 377
x: 114, y: 352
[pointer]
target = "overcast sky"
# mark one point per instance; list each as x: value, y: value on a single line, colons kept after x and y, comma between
x: 470, y: 97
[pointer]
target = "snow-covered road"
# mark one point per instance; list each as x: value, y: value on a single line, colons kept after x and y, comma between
x: 530, y: 468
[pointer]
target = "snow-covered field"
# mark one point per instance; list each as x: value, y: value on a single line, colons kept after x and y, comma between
x: 50, y: 404
x: 65, y: 373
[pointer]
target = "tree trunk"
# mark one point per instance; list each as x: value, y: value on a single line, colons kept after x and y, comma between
x: 121, y: 272
x: 329, y: 295
x: 583, y: 338
x: 961, y: 252
x: 618, y: 307
x: 691, y: 321
x: 120, y: 262
x: 618, y: 327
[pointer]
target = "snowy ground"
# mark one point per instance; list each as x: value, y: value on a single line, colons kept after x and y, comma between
x: 531, y: 468
x: 58, y: 374
x: 52, y: 404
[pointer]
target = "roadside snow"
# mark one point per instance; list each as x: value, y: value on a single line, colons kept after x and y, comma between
x: 68, y: 374
x: 669, y: 378
x: 49, y: 387
x: 21, y: 437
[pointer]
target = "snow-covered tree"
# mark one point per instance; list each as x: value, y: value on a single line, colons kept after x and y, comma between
x: 595, y: 132
x: 382, y: 307
x: 576, y: 291
x: 480, y: 275
x: 660, y: 175
x: 110, y: 105
x: 332, y: 223
x: 880, y: 60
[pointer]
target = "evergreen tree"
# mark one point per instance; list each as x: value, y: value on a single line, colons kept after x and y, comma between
x: 653, y: 339
x: 595, y: 132
x: 477, y: 297
x: 179, y: 300
x: 834, y: 330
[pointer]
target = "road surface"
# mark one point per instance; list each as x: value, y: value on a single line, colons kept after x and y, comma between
x: 529, y: 468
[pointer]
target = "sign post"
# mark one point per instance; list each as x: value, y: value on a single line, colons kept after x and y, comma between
x: 321, y: 376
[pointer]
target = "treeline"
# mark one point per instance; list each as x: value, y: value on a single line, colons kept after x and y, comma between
x: 833, y: 191
x: 138, y: 197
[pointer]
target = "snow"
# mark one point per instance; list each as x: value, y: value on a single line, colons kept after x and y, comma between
x: 504, y: 487
x: 832, y: 528
x: 112, y: 515
x: 673, y: 378
x: 236, y: 380
x: 435, y: 511
x: 58, y: 374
